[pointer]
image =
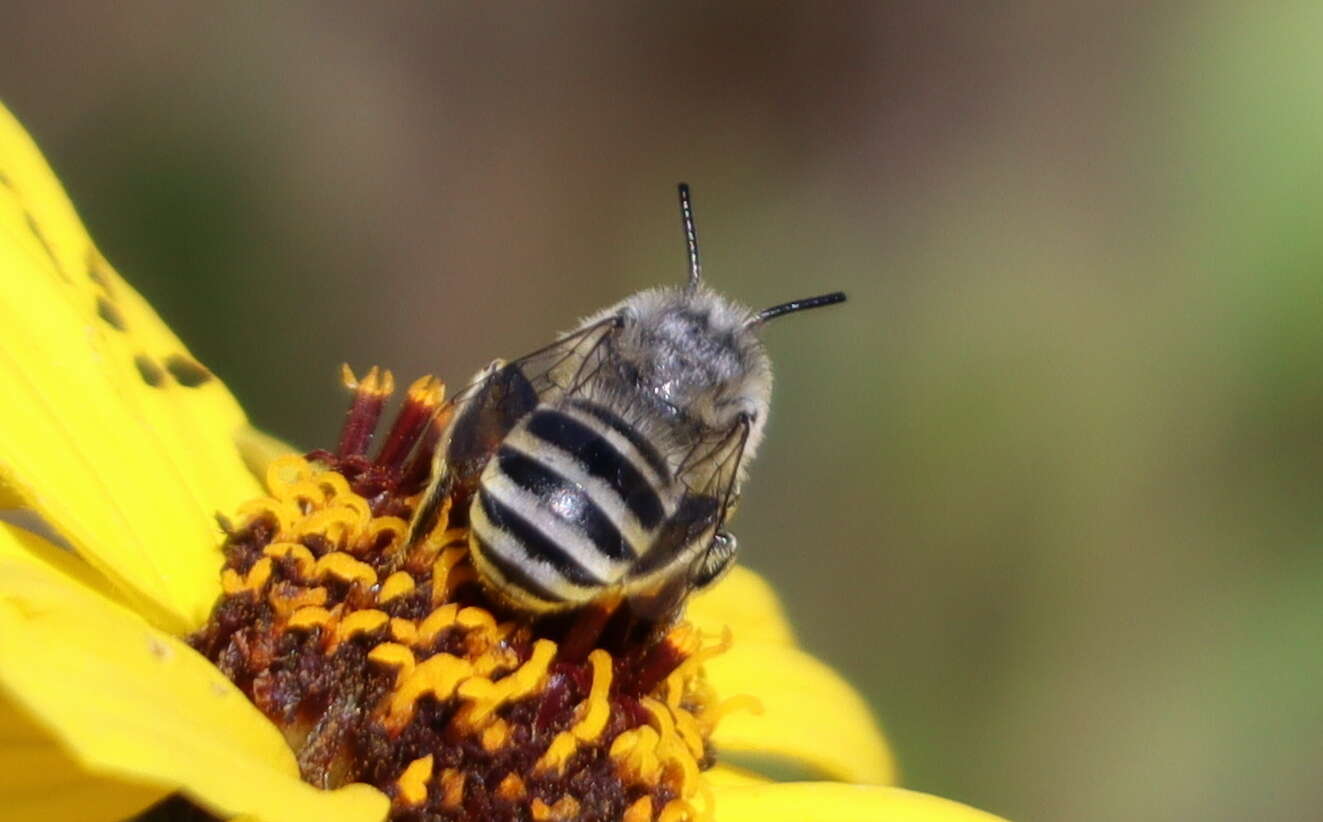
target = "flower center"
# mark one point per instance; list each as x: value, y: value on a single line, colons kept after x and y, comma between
x: 385, y: 662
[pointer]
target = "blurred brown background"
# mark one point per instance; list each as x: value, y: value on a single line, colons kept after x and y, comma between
x: 1049, y: 488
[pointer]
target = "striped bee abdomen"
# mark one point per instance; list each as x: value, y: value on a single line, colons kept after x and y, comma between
x: 603, y: 466
x: 567, y: 504
x: 608, y: 452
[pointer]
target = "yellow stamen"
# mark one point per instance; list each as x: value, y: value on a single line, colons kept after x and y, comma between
x: 566, y: 808
x: 541, y: 810
x: 437, y: 675
x: 739, y: 702
x: 635, y: 753
x: 308, y: 495
x: 483, y: 632
x: 687, y: 726
x: 285, y: 471
x: 436, y: 622
x: 528, y: 677
x: 482, y: 697
x: 286, y: 602
x: 640, y: 811
x: 375, y: 381
x: 494, y: 658
x: 394, y: 655
x: 396, y: 585
x: 412, y: 783
x: 347, y: 377
x: 511, y: 787
x: 475, y: 618
x: 485, y: 696
x: 334, y: 485
x: 558, y: 753
x: 359, y: 622
x: 660, y: 716
x: 699, y: 655
x: 596, y: 709
x: 231, y: 582
x: 403, y: 631
x: 428, y: 391
x: 338, y: 524
x: 359, y: 507
x: 396, y: 527
x: 345, y: 568
x: 452, y: 788
x: 284, y: 513
x: 679, y: 764
x: 310, y: 617
x: 677, y: 810
x: 494, y: 736
x: 255, y: 580
x: 686, y: 640
x: 302, y: 557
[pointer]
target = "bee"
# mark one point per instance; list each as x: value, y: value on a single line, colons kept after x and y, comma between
x: 606, y: 464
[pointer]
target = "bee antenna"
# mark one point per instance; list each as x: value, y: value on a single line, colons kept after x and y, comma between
x: 795, y: 305
x: 690, y: 237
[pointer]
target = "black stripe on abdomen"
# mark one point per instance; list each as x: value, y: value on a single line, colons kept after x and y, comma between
x: 563, y: 499
x: 618, y: 424
x: 600, y: 459
x: 539, y: 546
x: 514, y: 573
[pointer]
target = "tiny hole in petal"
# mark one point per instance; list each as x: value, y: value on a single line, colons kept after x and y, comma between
x: 189, y: 373
x: 150, y: 372
x: 108, y: 311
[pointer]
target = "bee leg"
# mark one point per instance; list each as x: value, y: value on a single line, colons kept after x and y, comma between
x: 503, y: 397
x: 506, y: 397
x: 430, y: 506
x: 655, y: 609
x: 587, y: 629
x: 715, y: 561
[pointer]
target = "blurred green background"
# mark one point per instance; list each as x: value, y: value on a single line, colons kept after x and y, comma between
x: 1049, y: 488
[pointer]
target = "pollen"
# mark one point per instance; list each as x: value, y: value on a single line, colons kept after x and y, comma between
x: 388, y: 663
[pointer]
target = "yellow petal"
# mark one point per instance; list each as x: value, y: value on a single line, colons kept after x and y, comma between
x: 131, y: 703
x: 811, y: 716
x: 23, y: 544
x: 39, y: 779
x: 9, y: 496
x: 834, y: 802
x: 744, y: 602
x: 729, y: 776
x: 109, y: 429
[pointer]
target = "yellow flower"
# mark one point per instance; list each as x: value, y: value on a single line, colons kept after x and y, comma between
x: 117, y: 452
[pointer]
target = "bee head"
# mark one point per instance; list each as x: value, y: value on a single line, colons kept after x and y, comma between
x: 693, y: 353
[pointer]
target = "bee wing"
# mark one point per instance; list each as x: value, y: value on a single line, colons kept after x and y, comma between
x: 711, y: 469
x: 473, y: 423
x: 555, y: 369
x: 710, y: 474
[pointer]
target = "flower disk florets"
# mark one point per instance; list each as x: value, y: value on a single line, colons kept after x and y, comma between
x: 386, y: 662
